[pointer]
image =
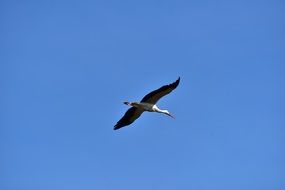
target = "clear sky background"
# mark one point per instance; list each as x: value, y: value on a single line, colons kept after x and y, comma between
x: 67, y: 66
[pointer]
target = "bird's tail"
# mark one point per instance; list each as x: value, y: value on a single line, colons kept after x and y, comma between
x: 127, y: 103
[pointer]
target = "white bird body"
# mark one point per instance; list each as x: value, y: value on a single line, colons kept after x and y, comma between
x: 147, y: 107
x: 148, y: 103
x: 142, y: 105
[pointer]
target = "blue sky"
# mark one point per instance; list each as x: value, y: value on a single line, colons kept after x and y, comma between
x: 67, y: 66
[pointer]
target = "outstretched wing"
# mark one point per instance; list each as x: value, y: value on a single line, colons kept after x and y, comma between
x: 130, y: 116
x: 154, y: 96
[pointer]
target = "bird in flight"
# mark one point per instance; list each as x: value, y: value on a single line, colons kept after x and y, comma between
x: 148, y: 103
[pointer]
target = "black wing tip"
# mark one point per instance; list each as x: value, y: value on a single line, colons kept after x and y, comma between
x: 120, y: 125
x: 176, y: 83
x: 178, y: 80
x: 116, y: 127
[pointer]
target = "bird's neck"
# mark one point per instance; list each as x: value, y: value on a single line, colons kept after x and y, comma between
x: 159, y: 110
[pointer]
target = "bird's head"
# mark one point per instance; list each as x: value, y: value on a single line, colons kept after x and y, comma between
x: 167, y: 113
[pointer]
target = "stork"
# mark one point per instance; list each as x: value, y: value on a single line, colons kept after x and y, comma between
x: 148, y: 103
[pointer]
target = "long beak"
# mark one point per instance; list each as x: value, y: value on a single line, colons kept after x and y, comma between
x: 171, y: 116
